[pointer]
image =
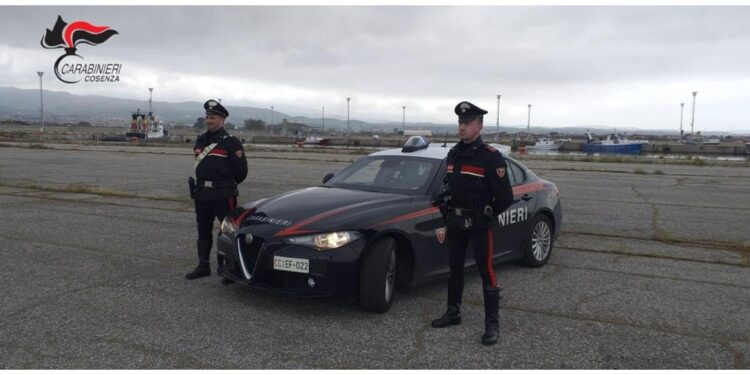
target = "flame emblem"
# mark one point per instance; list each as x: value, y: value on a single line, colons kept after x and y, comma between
x: 70, y: 35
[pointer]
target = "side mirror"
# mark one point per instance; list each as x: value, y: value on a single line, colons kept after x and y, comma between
x: 327, y: 177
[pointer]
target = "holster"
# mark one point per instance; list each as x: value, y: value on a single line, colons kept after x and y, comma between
x: 442, y: 201
x: 191, y: 187
x: 468, y: 219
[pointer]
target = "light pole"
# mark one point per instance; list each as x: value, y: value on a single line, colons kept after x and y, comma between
x: 348, y: 127
x: 324, y: 120
x: 41, y: 103
x: 528, y: 124
x: 692, y: 121
x: 271, y: 124
x: 150, y: 95
x: 403, y: 119
x: 497, y: 133
x: 682, y: 109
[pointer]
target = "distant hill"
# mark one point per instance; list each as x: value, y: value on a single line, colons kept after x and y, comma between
x: 23, y: 104
x: 19, y: 103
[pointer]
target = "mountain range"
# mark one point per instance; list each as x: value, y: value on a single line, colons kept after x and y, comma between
x: 63, y: 107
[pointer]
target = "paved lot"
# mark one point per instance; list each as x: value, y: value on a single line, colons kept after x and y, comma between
x: 651, y: 271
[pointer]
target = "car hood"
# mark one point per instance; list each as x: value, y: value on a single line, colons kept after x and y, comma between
x: 318, y: 208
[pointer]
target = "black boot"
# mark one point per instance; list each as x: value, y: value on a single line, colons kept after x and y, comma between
x: 452, y: 316
x: 204, y: 265
x: 491, y: 325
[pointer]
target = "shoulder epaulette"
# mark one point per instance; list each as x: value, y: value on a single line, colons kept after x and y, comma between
x: 490, y: 148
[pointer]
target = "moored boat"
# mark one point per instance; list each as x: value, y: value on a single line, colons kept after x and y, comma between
x: 544, y: 144
x: 613, y: 145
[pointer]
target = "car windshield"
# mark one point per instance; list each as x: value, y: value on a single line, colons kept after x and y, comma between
x: 388, y: 174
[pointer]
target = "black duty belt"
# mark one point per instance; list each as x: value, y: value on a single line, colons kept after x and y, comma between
x: 215, y: 184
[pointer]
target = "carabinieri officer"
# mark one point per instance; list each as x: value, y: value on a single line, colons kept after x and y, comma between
x: 220, y: 165
x: 477, y: 190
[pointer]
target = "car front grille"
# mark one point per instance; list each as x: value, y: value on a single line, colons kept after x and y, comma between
x: 249, y: 253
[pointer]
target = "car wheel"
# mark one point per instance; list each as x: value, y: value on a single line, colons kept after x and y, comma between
x: 377, y: 276
x: 538, y: 244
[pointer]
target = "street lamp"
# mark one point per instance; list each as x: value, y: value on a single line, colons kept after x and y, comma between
x: 692, y: 121
x: 348, y: 127
x: 324, y: 120
x: 150, y: 94
x: 528, y: 124
x: 682, y: 109
x: 41, y: 102
x: 403, y: 119
x: 497, y: 133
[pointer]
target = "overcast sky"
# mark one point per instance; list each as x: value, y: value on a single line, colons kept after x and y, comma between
x: 611, y: 66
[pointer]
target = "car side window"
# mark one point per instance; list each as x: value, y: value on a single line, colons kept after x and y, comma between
x: 509, y: 170
x: 518, y: 174
x: 440, y: 185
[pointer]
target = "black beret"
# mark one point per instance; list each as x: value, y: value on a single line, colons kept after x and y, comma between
x: 213, y: 107
x: 467, y: 111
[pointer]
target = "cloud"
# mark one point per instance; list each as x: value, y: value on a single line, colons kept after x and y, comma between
x: 622, y: 66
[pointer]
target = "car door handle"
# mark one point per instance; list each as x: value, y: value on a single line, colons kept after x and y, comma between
x: 527, y: 197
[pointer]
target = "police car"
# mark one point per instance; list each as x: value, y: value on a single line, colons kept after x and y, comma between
x: 373, y: 227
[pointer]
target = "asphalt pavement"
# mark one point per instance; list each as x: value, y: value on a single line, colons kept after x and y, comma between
x: 651, y: 271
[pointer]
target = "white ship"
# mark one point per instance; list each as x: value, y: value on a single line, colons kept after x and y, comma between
x: 145, y: 126
x: 544, y: 144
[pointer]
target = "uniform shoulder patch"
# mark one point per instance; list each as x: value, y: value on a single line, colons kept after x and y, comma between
x: 490, y: 148
x: 500, y: 172
x: 238, y: 153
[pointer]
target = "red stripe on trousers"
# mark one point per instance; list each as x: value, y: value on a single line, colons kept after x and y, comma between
x: 232, y: 203
x: 490, y: 269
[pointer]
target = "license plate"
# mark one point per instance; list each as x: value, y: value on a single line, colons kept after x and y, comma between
x: 291, y: 264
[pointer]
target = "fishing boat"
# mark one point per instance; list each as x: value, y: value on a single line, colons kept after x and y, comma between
x: 613, y: 144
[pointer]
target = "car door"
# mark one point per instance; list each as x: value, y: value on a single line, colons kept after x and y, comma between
x: 512, y: 224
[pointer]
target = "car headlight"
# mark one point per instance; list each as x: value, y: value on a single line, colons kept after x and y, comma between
x: 324, y: 241
x: 227, y: 226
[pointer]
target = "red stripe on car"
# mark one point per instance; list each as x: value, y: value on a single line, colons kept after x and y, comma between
x: 528, y: 188
x: 295, y: 229
x: 412, y: 215
x: 238, y: 220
